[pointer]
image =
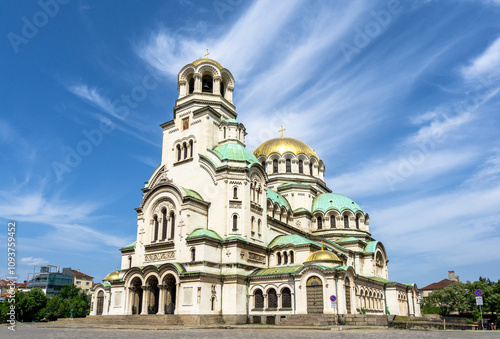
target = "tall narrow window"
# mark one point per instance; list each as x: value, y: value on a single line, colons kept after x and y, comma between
x: 259, y: 299
x: 272, y: 298
x: 222, y: 88
x: 259, y: 227
x: 191, y: 148
x: 235, y: 193
x: 185, y: 150
x: 251, y: 191
x: 301, y: 166
x: 288, y: 165
x: 291, y: 257
x: 235, y: 222
x: 239, y: 134
x: 346, y: 221
x: 310, y: 169
x: 332, y: 221
x: 279, y: 258
x: 193, y: 254
x: 179, y: 153
x: 155, y: 219
x: 172, y: 225
x: 164, y: 225
x: 275, y: 166
x: 224, y: 132
x: 357, y: 222
x: 320, y: 223
x: 264, y: 165
x: 286, y: 298
x: 191, y: 85
x: 129, y: 262
x: 252, y: 226
x: 285, y: 258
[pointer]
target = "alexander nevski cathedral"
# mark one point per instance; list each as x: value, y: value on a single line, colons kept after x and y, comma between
x: 224, y: 231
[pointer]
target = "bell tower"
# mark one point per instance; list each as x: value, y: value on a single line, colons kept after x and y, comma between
x: 205, y: 101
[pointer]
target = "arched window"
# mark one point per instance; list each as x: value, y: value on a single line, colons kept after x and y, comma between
x: 179, y: 153
x: 172, y: 225
x: 155, y: 220
x: 212, y: 304
x: 164, y: 224
x: 129, y: 262
x: 235, y: 193
x: 264, y: 165
x: 287, y: 217
x: 278, y: 256
x: 185, y: 150
x: 288, y: 165
x: 272, y: 298
x: 259, y: 299
x: 191, y: 85
x: 239, y: 133
x: 275, y: 166
x: 252, y: 225
x: 235, y: 222
x: 310, y: 169
x: 332, y: 221
x: 320, y: 223
x: 224, y: 132
x: 346, y: 221
x: 193, y: 254
x: 357, y: 222
x: 285, y: 258
x: 259, y: 227
x: 222, y: 88
x: 207, y: 84
x: 286, y: 298
x: 191, y: 148
x: 301, y: 166
x: 291, y: 257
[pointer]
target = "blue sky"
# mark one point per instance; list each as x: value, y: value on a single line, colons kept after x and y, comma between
x: 399, y: 99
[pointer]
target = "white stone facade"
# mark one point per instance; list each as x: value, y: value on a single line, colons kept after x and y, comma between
x: 221, y: 231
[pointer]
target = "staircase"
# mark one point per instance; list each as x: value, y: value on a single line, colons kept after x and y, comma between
x: 151, y: 319
x: 308, y: 320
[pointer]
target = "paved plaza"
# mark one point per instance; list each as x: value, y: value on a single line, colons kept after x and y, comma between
x: 44, y: 331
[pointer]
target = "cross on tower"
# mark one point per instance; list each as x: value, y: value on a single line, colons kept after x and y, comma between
x: 206, y: 55
x: 282, y: 130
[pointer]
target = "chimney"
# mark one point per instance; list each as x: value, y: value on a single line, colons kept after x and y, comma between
x: 451, y: 275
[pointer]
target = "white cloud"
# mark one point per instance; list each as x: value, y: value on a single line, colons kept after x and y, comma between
x: 440, y: 126
x: 485, y: 65
x: 91, y: 95
x: 30, y: 261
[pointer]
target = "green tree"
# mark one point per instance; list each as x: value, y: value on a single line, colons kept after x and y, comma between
x: 53, y: 310
x: 29, y: 304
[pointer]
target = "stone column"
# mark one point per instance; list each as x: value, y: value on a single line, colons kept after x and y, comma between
x: 161, y: 302
x: 177, y: 292
x: 229, y: 93
x: 197, y: 83
x: 145, y: 299
x: 216, y: 85
x: 182, y: 88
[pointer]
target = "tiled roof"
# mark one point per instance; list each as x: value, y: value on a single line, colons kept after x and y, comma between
x: 277, y: 270
x: 203, y: 232
x: 333, y: 201
x: 275, y: 197
x: 235, y: 152
x: 132, y: 245
x: 192, y: 194
x: 371, y: 246
x: 292, y: 239
x: 439, y: 285
x: 79, y: 274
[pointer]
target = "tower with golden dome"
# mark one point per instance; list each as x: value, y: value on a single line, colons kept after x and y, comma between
x: 230, y: 235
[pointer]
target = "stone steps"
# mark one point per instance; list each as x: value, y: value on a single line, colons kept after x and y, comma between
x: 170, y: 319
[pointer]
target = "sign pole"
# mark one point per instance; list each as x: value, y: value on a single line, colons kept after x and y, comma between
x: 481, y: 311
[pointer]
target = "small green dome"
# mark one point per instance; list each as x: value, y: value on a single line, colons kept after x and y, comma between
x: 236, y: 152
x: 333, y: 201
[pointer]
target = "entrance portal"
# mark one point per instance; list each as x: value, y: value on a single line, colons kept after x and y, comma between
x: 154, y: 295
x: 314, y: 289
x: 100, y: 303
x: 170, y: 289
x: 136, y: 290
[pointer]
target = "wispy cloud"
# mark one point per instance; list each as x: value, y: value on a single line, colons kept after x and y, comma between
x: 485, y: 65
x: 92, y: 96
x: 30, y: 261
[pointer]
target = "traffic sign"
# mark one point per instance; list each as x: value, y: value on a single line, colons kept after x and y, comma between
x: 479, y: 301
x: 334, y: 304
x: 478, y: 293
x: 333, y: 298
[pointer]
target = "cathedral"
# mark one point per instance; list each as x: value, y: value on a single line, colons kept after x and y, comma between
x: 224, y: 231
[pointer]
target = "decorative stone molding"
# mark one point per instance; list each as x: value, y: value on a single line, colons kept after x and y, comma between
x: 159, y: 256
x: 256, y: 257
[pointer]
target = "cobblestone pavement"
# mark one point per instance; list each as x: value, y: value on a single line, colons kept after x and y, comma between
x: 34, y: 331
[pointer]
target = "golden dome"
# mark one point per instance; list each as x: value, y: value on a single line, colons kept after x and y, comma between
x: 283, y: 145
x: 323, y: 255
x: 210, y: 61
x: 112, y: 276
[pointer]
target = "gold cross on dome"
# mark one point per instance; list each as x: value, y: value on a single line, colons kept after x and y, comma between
x: 206, y: 55
x: 282, y: 130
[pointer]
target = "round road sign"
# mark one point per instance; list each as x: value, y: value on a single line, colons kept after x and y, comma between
x: 478, y: 293
x: 333, y: 298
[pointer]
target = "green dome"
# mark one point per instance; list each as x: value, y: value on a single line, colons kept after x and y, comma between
x: 235, y: 152
x: 333, y: 201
